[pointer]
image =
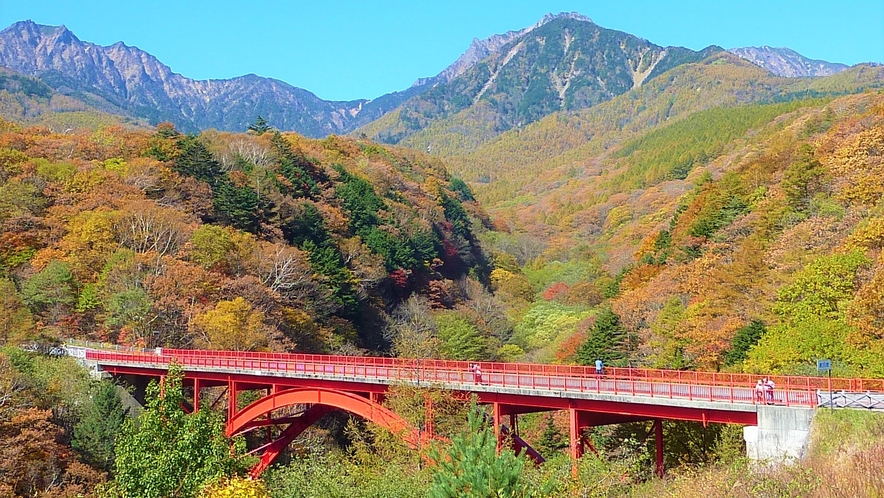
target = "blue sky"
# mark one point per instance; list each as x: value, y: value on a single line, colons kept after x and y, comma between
x: 343, y: 49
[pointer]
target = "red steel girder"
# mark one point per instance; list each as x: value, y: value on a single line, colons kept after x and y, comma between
x: 323, y: 401
x: 295, y: 429
x: 521, y: 403
x: 349, y: 402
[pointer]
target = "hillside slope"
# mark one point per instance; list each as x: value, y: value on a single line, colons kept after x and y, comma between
x: 30, y: 101
x: 223, y: 241
x: 762, y: 254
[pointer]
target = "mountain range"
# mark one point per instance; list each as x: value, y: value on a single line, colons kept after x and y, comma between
x: 517, y: 77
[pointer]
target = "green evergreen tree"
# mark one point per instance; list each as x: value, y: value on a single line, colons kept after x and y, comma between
x: 455, y: 213
x: 96, y: 433
x: 551, y: 439
x: 260, y: 126
x: 607, y: 340
x: 744, y: 339
x: 195, y: 160
x: 360, y: 200
x: 301, y: 173
x: 461, y: 188
x: 238, y: 206
x: 472, y: 467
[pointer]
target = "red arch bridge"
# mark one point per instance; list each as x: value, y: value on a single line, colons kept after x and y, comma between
x: 326, y: 383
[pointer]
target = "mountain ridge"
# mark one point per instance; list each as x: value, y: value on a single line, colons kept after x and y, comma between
x: 783, y: 61
x: 132, y: 81
x: 480, y: 49
x: 137, y: 81
x: 565, y: 64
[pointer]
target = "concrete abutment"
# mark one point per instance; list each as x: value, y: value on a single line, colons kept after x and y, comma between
x: 781, y: 434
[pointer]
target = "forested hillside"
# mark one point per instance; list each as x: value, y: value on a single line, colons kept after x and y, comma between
x: 739, y: 237
x: 579, y: 194
x: 234, y: 241
x: 30, y: 101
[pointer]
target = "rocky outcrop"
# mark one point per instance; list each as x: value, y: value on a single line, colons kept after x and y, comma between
x: 787, y: 62
x: 481, y: 49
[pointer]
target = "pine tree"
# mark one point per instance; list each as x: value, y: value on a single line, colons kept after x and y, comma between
x: 744, y: 339
x: 260, y: 126
x: 195, y: 160
x: 96, y: 433
x: 472, y: 467
x: 607, y: 340
x: 552, y: 439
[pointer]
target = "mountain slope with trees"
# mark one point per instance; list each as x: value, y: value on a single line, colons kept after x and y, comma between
x: 166, y: 239
x: 568, y: 63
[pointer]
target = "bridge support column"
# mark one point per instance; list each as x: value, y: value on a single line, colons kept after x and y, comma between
x: 196, y: 395
x: 497, y: 417
x: 658, y: 441
x: 578, y: 421
x: 231, y: 399
x: 429, y: 417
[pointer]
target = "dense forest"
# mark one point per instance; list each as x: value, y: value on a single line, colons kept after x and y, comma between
x: 160, y: 239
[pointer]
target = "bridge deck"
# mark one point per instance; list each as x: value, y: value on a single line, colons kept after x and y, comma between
x: 621, y: 385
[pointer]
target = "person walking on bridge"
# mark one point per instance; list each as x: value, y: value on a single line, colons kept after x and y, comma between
x: 760, y: 388
x: 768, y: 388
x: 599, y: 366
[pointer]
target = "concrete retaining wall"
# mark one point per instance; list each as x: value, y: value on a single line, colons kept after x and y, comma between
x: 781, y: 434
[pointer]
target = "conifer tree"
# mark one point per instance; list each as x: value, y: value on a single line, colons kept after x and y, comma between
x: 169, y: 452
x: 260, y: 126
x: 607, y: 340
x: 551, y: 439
x: 96, y: 433
x: 472, y: 467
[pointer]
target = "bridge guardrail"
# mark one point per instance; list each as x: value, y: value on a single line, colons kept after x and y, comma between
x: 618, y: 381
x: 786, y: 382
x: 844, y: 399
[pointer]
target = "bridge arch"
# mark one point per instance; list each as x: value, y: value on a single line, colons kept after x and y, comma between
x: 323, y: 401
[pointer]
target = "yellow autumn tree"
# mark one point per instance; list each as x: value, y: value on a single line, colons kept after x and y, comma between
x: 235, y: 487
x: 232, y: 325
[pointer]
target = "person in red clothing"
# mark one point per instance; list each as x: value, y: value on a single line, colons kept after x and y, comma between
x: 760, y: 388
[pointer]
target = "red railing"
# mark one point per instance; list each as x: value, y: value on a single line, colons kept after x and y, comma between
x: 787, y: 382
x: 709, y: 386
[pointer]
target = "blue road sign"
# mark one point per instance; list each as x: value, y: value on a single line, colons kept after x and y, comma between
x: 823, y: 365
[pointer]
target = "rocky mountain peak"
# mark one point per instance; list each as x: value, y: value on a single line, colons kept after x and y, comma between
x: 561, y: 15
x: 786, y: 62
x: 480, y: 49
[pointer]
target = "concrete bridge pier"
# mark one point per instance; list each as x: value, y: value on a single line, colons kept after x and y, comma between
x: 781, y: 434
